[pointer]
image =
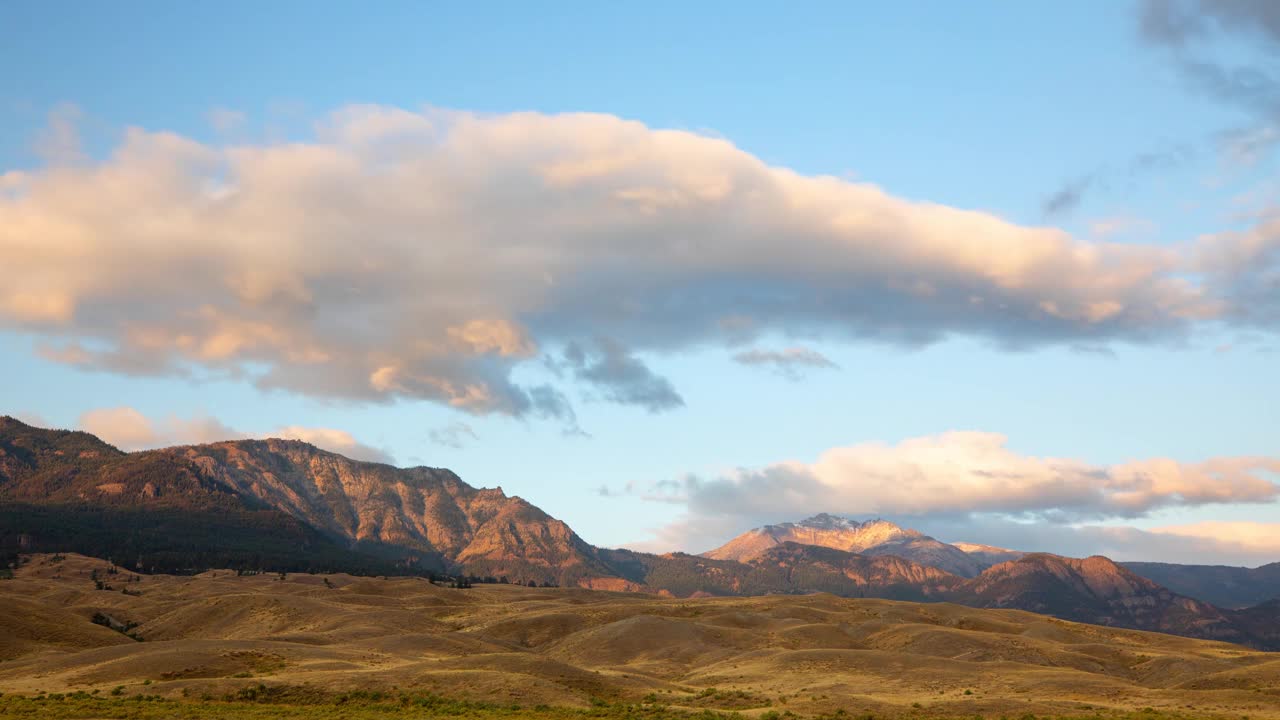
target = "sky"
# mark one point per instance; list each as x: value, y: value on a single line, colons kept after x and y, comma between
x: 1006, y: 273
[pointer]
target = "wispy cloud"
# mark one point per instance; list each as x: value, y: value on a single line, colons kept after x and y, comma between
x: 1192, y: 33
x: 789, y: 362
x: 226, y: 120
x: 1110, y: 177
x: 454, y: 435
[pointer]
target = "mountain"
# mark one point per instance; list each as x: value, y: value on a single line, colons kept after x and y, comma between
x: 1098, y: 589
x: 69, y: 491
x: 284, y: 505
x: 278, y: 504
x: 874, y: 537
x: 1224, y: 586
x: 1093, y: 589
x: 427, y: 510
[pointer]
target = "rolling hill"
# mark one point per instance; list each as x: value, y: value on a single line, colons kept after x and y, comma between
x: 221, y: 635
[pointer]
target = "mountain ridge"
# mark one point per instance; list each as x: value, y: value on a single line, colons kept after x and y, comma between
x: 284, y: 504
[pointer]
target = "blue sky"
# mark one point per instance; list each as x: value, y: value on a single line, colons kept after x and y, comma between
x: 988, y: 107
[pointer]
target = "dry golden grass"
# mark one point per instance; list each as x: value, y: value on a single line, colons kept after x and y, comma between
x: 217, y: 633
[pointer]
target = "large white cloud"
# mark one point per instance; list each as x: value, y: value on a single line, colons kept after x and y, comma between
x: 128, y: 429
x: 425, y: 254
x: 977, y: 472
x: 956, y: 477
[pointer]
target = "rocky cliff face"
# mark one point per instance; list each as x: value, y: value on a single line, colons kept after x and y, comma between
x: 482, y: 531
x: 428, y: 516
x: 874, y: 537
x: 421, y: 508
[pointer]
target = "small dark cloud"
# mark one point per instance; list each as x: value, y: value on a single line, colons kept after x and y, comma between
x: 789, y: 362
x: 1115, y: 176
x: 455, y: 435
x: 620, y: 376
x: 551, y: 403
x: 1067, y: 198
x: 1168, y: 157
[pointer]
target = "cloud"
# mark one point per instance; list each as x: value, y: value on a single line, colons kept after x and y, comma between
x: 426, y: 255
x: 1179, y: 22
x: 59, y: 142
x: 1067, y: 198
x: 1194, y: 33
x: 128, y: 429
x: 225, y: 120
x: 1121, y: 225
x: 1248, y: 146
x: 33, y: 418
x: 962, y: 474
x: 789, y: 362
x: 1243, y: 267
x: 620, y: 376
x: 337, y: 441
x: 454, y: 435
x: 1259, y: 538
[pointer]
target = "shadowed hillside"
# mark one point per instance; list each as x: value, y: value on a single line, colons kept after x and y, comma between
x: 1224, y: 586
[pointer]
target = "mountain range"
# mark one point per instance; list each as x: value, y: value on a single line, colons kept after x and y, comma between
x: 289, y: 506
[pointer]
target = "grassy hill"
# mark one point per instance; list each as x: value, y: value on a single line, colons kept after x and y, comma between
x: 299, y: 645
